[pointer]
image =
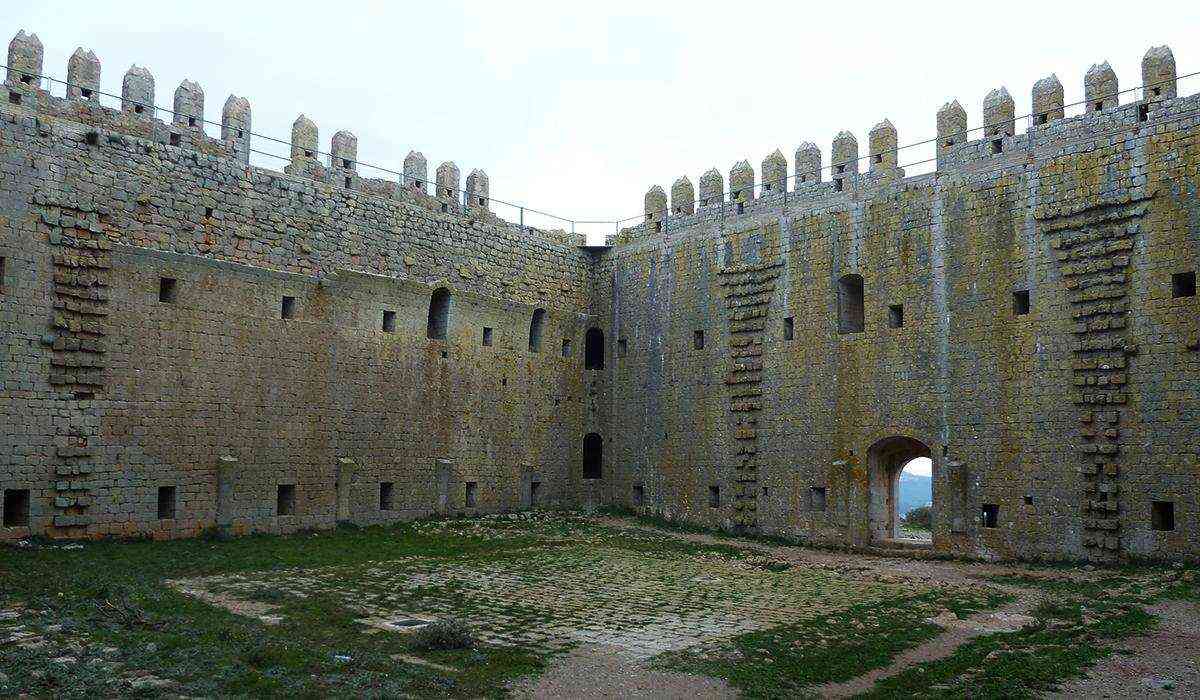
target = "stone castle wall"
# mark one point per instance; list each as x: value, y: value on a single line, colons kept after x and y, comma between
x: 1023, y: 319
x: 145, y: 267
x: 1054, y: 432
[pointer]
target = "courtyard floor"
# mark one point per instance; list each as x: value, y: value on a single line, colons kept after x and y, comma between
x: 568, y: 605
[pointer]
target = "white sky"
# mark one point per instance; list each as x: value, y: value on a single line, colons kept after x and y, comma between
x: 577, y: 109
x: 921, y: 465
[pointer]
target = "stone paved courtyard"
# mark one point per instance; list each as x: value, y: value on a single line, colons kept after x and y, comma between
x: 562, y: 604
x: 582, y: 590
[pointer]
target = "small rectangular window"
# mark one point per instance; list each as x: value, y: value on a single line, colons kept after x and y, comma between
x: 166, y: 502
x: 346, y: 163
x: 714, y: 496
x: 1043, y: 118
x: 896, y: 316
x: 789, y: 328
x: 997, y: 146
x: 469, y: 493
x: 1183, y: 284
x: 387, y: 495
x: 741, y: 208
x: 16, y: 507
x: 285, y: 499
x: 208, y: 212
x: 991, y: 515
x: 287, y: 308
x: 138, y: 109
x: 487, y: 337
x: 1162, y: 515
x: 389, y: 321
x: 535, y: 488
x: 14, y: 97
x: 1028, y: 499
x: 841, y: 169
x: 698, y: 339
x: 176, y: 139
x: 191, y: 121
x: 566, y: 347
x: 837, y: 184
x: 878, y: 157
x: 1099, y: 106
x: 816, y: 498
x: 639, y: 495
x: 622, y: 347
x: 1144, y: 113
x: 347, y: 183
x: 1021, y: 302
x: 166, y: 290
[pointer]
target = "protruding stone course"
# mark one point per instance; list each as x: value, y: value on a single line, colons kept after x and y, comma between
x: 951, y: 127
x: 741, y: 182
x: 137, y: 93
x: 1100, y: 88
x: 477, y: 196
x: 189, y: 106
x: 1047, y: 100
x: 416, y: 173
x: 656, y: 206
x: 774, y: 173
x: 83, y: 76
x: 448, y: 185
x: 235, y: 126
x: 1158, y: 74
x: 1093, y: 249
x: 712, y: 188
x: 999, y: 114
x: 884, y: 156
x: 24, y: 61
x: 683, y: 197
x: 808, y: 164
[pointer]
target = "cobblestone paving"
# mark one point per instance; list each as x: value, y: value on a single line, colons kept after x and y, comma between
x: 587, y: 589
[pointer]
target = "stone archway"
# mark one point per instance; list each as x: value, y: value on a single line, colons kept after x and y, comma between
x: 885, y: 460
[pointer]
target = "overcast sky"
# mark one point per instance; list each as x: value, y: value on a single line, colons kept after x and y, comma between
x: 577, y: 109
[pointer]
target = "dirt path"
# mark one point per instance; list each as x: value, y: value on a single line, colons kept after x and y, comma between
x: 1162, y: 664
x: 1010, y: 618
x: 601, y: 671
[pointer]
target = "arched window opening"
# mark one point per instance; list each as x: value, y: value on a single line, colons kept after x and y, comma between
x: 593, y: 456
x: 594, y: 349
x: 535, y: 330
x: 850, y: 304
x: 439, y: 314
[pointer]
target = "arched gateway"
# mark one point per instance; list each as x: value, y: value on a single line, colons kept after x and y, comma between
x: 886, y: 459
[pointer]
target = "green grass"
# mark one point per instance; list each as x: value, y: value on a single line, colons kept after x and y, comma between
x: 783, y: 661
x: 114, y: 591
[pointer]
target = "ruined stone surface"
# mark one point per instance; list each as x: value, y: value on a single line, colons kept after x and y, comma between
x: 176, y: 318
x: 1158, y: 74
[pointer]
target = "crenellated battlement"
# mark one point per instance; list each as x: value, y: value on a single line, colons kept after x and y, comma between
x: 187, y: 127
x: 958, y: 145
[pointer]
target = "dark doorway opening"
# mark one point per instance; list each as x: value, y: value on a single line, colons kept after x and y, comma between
x: 593, y: 456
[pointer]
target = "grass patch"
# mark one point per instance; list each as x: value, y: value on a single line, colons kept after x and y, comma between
x: 784, y: 660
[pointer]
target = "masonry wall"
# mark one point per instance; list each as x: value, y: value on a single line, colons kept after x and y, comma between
x: 108, y: 393
x: 1072, y: 419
